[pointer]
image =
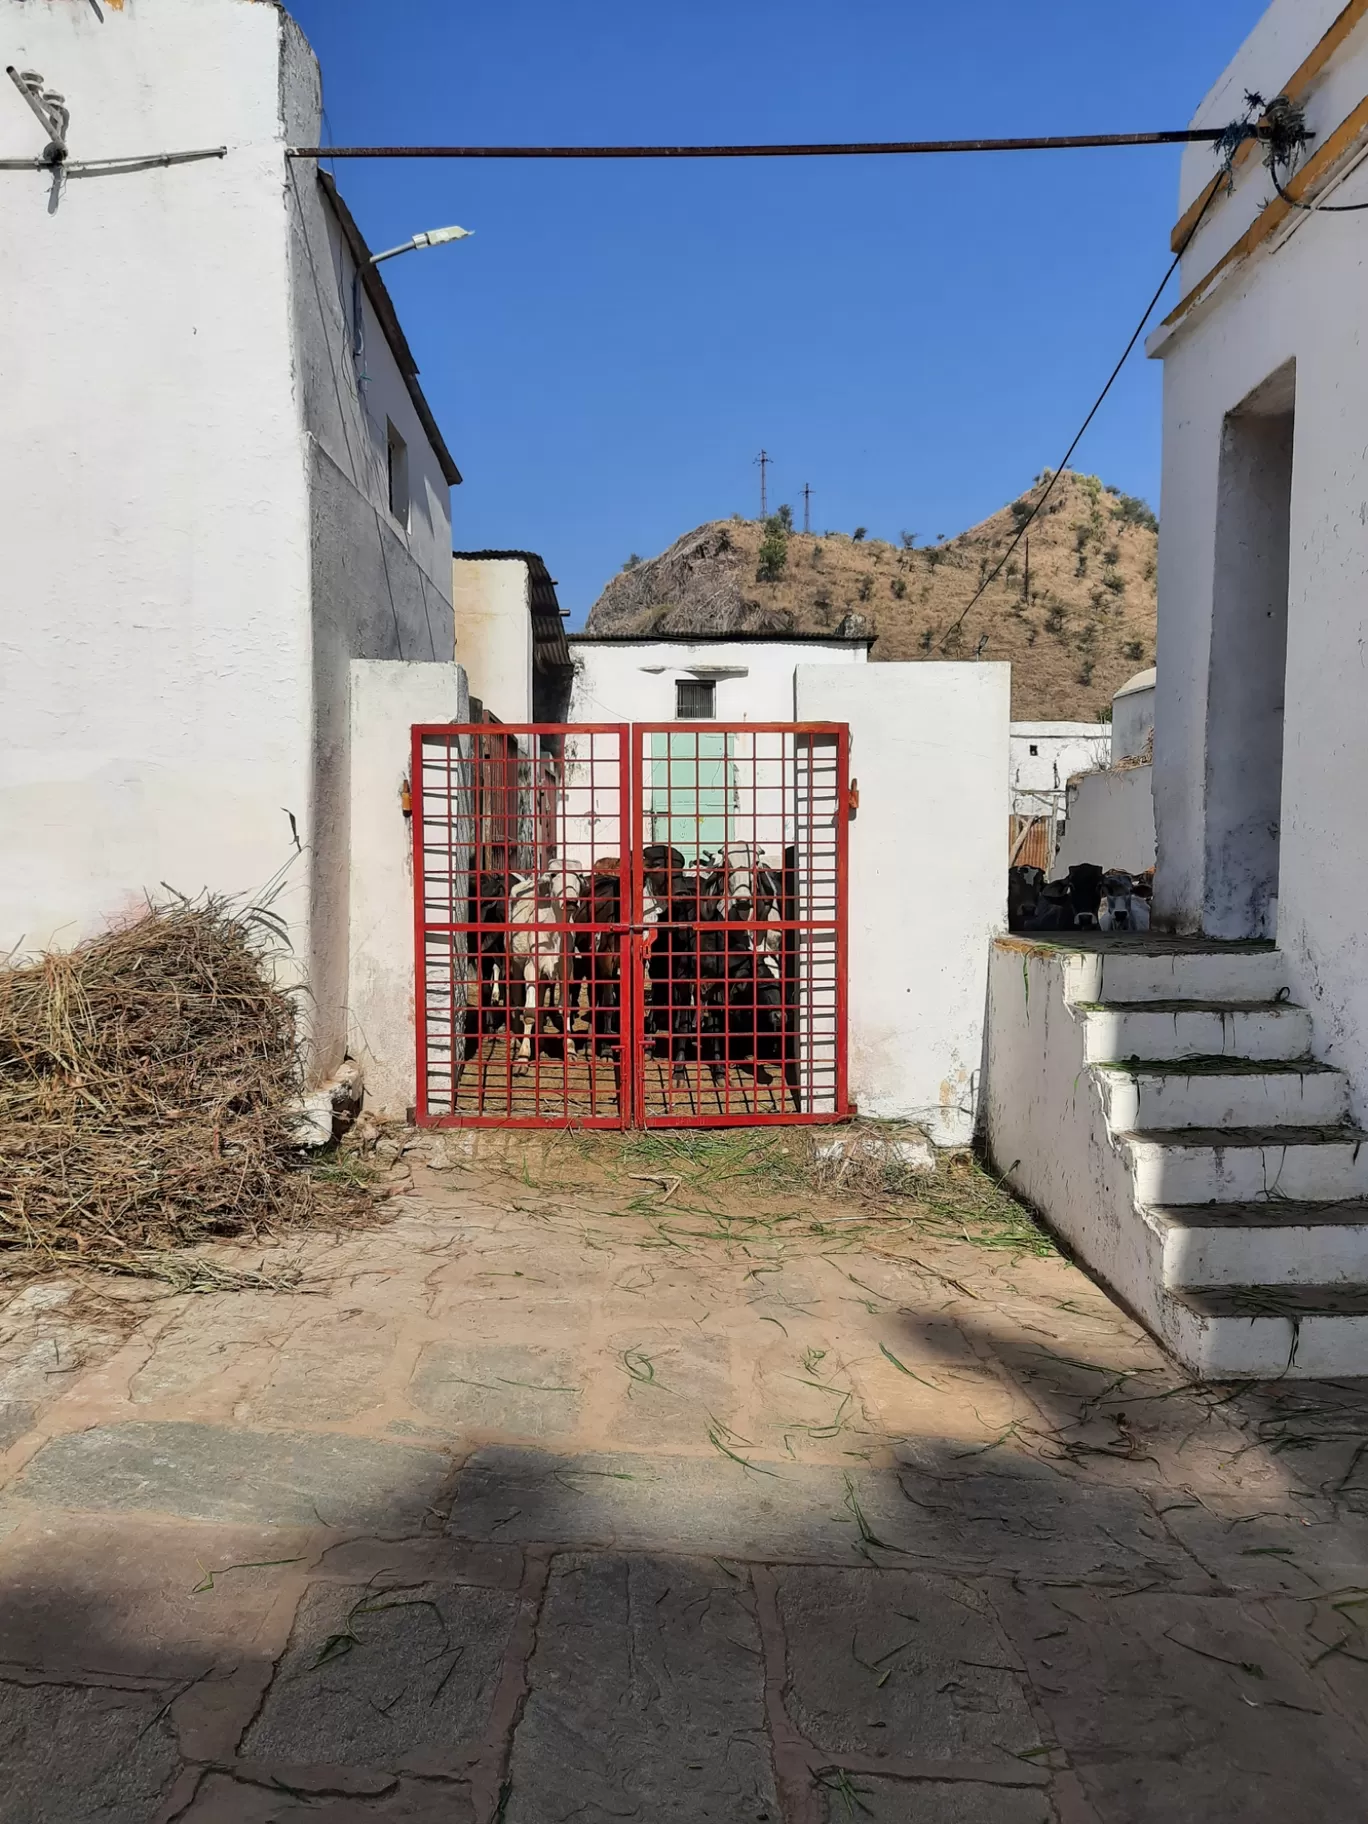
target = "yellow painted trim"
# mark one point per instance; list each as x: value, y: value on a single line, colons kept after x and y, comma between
x: 1297, y: 89
x: 1182, y: 231
x: 1321, y: 165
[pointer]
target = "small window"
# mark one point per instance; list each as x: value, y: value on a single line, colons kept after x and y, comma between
x: 695, y: 699
x: 397, y: 474
x: 1035, y: 751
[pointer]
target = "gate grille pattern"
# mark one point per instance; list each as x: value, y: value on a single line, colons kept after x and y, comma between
x: 640, y: 926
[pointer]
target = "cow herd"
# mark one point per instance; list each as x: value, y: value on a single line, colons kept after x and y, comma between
x: 553, y: 948
x: 1087, y: 898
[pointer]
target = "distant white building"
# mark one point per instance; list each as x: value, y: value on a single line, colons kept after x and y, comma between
x: 220, y: 483
x: 1132, y: 723
x: 1046, y: 755
x: 724, y: 677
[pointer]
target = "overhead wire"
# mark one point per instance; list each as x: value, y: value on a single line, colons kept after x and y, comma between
x: 1229, y: 139
x: 1285, y: 139
x: 1280, y: 126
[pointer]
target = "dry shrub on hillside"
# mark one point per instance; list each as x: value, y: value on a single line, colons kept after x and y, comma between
x: 145, y: 1088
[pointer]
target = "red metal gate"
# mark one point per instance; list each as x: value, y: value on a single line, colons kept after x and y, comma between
x: 623, y: 926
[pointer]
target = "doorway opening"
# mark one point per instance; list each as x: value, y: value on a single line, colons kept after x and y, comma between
x: 1247, y: 684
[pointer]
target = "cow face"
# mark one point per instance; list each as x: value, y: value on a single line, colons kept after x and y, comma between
x: 1023, y: 895
x: 1117, y: 888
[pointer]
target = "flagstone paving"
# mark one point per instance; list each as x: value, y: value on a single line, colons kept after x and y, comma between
x: 567, y: 1496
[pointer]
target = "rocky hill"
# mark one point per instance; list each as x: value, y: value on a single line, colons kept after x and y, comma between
x: 1083, y: 625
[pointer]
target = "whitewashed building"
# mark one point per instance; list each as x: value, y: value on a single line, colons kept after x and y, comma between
x: 729, y: 677
x: 220, y: 484
x: 510, y: 636
x: 1189, y: 1111
x: 1132, y: 723
x: 928, y: 754
x: 1046, y: 755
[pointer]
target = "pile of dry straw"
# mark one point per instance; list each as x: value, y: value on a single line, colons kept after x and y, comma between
x: 145, y: 1088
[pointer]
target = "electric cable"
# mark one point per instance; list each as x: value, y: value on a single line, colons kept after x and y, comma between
x: 1317, y: 208
x: 1035, y: 513
x: 1285, y: 139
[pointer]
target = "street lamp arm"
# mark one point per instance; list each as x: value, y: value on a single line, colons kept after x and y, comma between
x: 434, y: 237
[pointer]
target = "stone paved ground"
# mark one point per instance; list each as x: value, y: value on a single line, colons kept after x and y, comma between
x: 558, y: 1498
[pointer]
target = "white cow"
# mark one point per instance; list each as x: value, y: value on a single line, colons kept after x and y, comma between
x: 540, y: 955
x: 1122, y: 907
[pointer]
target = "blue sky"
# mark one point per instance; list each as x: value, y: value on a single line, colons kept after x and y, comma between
x: 916, y: 338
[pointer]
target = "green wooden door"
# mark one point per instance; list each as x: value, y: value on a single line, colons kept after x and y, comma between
x: 693, y: 792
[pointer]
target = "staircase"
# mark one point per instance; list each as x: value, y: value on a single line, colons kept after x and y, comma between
x: 1237, y: 1183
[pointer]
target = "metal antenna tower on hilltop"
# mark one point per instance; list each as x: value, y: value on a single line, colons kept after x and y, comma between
x: 764, y: 459
x: 807, y: 506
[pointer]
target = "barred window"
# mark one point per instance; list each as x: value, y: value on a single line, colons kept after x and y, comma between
x: 695, y: 700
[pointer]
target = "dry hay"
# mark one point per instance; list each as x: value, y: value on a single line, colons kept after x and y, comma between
x: 146, y: 1079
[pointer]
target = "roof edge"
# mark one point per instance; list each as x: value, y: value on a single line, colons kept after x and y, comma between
x: 722, y: 639
x: 383, y: 306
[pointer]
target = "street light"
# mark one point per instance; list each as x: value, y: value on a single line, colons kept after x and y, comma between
x: 434, y: 237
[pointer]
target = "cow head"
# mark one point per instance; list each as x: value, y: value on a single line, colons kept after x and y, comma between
x: 1115, y: 913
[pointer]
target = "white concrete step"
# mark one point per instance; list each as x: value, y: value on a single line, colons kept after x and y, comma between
x: 1264, y: 1332
x: 1270, y: 1244
x: 1163, y: 1030
x: 1247, y: 1164
x: 1223, y: 1092
x: 1126, y: 971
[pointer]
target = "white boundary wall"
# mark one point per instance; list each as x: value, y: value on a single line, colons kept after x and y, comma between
x: 928, y: 878
x: 1109, y: 821
x: 387, y: 699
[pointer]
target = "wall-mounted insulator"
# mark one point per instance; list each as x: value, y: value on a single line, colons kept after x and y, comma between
x: 49, y: 109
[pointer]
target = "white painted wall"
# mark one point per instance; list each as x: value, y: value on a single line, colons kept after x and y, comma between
x: 492, y: 602
x: 632, y: 680
x: 1299, y: 299
x: 1278, y: 45
x: 1109, y: 821
x: 350, y: 400
x: 1046, y: 755
x: 189, y: 559
x: 1132, y: 723
x: 387, y: 699
x: 155, y: 662
x: 380, y: 584
x: 929, y: 746
x: 1045, y: 1122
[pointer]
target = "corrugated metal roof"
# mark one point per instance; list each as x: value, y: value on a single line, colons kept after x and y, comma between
x: 383, y: 306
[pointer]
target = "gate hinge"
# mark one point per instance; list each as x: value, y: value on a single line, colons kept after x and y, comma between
x: 853, y: 796
x: 406, y: 798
